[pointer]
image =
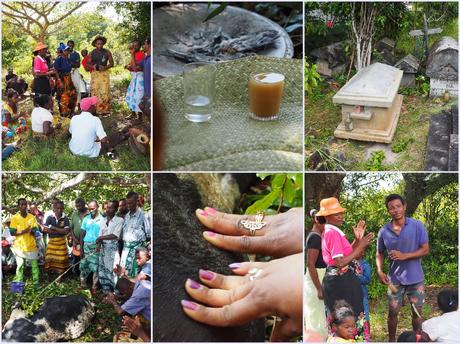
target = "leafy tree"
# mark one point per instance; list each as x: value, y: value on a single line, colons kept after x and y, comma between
x: 38, y: 20
x: 136, y: 19
x: 42, y: 188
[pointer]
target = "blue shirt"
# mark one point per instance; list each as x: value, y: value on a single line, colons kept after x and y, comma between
x: 412, y: 236
x: 62, y: 65
x: 74, y: 57
x: 140, y: 300
x: 91, y: 227
x: 147, y: 70
x: 365, y: 279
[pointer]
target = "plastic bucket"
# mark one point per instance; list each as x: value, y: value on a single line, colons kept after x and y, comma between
x: 17, y: 287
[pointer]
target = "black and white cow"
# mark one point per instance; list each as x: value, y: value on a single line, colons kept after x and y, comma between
x: 60, y: 318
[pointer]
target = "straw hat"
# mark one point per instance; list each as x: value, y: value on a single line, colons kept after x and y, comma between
x: 97, y: 38
x: 39, y: 46
x: 330, y: 206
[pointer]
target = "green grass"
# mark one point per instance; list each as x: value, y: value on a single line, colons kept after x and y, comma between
x: 322, y: 117
x: 104, y: 325
x: 54, y: 154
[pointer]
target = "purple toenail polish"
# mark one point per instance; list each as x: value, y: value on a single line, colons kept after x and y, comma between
x: 234, y: 266
x: 189, y: 305
x: 207, y: 275
x: 193, y: 284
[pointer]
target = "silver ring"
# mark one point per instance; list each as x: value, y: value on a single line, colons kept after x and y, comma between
x: 254, y: 273
x: 253, y: 226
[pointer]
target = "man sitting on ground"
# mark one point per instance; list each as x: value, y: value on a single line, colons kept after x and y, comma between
x: 42, y: 119
x: 88, y: 135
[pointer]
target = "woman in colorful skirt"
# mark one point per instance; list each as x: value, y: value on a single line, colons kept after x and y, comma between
x: 107, y: 243
x: 341, y: 281
x: 101, y: 60
x: 314, y: 312
x: 57, y: 226
x: 66, y: 93
x: 136, y: 86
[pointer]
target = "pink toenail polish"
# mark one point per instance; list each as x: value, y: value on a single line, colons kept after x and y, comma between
x: 210, y: 234
x: 207, y: 275
x: 193, y: 284
x: 202, y: 212
x: 189, y: 305
x: 234, y: 266
x: 211, y: 211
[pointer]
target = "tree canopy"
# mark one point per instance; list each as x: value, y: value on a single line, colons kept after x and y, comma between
x: 42, y: 188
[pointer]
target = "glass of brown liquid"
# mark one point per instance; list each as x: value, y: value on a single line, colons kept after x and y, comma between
x: 265, y: 92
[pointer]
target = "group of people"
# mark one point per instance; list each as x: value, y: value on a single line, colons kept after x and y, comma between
x: 336, y: 282
x: 62, y: 81
x: 108, y: 249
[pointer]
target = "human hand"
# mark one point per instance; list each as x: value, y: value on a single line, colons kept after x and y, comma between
x: 260, y: 290
x: 119, y: 270
x: 359, y: 229
x: 133, y: 325
x: 383, y: 277
x: 365, y: 241
x: 109, y: 298
x: 281, y: 236
x: 319, y: 294
x: 397, y: 255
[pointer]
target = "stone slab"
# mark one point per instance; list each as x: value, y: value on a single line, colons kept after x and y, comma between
x: 437, y: 151
x: 439, y: 86
x: 381, y: 128
x: 453, y: 153
x: 442, y: 62
x: 376, y: 85
x: 408, y: 80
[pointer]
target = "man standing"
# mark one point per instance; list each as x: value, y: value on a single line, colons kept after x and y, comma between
x: 90, y: 228
x: 23, y: 226
x: 136, y: 231
x: 75, y: 231
x: 406, y: 241
x: 77, y: 80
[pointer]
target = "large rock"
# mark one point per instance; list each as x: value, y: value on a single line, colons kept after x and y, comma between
x: 180, y: 250
x: 386, y: 47
x: 331, y: 59
x: 60, y: 318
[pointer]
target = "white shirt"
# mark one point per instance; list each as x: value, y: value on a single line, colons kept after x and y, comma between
x: 39, y: 116
x: 114, y: 227
x: 85, y: 129
x: 444, y: 328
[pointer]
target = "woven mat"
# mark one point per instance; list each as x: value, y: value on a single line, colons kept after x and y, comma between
x: 231, y: 140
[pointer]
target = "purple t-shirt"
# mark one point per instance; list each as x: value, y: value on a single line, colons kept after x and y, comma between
x: 412, y: 236
x: 147, y: 70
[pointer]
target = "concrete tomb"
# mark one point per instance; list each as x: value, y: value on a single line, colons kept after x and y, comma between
x: 370, y: 104
x: 442, y: 67
x: 410, y: 66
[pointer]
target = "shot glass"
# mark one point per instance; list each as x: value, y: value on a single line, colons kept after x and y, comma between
x: 265, y: 93
x: 199, y: 90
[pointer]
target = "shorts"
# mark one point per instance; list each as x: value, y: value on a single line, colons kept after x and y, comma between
x: 415, y: 293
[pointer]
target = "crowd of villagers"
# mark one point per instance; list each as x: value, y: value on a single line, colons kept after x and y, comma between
x: 107, y: 248
x: 57, y: 79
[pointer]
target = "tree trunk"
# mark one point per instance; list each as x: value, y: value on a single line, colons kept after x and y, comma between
x: 321, y: 185
x: 421, y: 185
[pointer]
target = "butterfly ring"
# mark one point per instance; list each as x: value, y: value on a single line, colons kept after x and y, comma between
x: 253, y: 226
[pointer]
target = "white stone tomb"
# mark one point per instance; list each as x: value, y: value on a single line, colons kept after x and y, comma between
x: 370, y: 104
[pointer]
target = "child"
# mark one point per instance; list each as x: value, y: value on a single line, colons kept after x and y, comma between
x: 365, y: 279
x: 413, y: 337
x: 343, y: 323
x: 11, y: 119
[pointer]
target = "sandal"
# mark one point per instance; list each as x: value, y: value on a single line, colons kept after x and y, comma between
x: 112, y: 155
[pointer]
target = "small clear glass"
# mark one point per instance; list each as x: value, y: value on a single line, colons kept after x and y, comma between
x: 265, y: 93
x: 199, y: 90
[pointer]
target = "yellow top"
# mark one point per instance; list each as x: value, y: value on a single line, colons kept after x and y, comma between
x: 333, y: 339
x: 26, y: 242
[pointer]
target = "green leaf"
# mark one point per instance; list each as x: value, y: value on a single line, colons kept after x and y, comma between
x: 219, y: 9
x: 289, y: 192
x: 264, y: 203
